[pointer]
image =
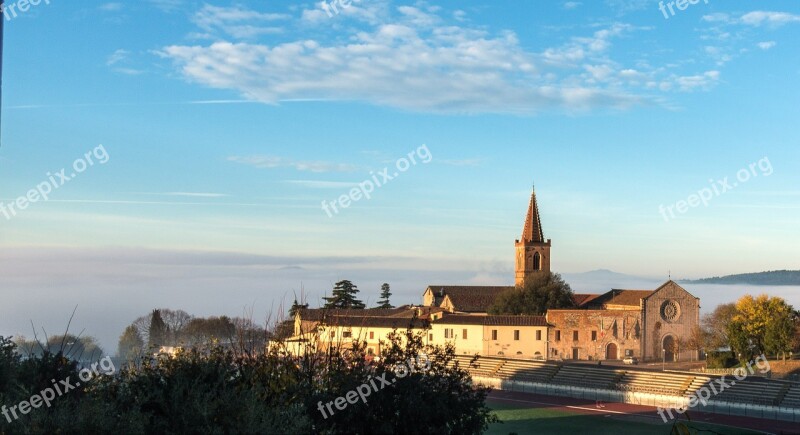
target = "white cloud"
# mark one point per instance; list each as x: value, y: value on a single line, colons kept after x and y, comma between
x: 774, y: 19
x: 766, y: 45
x: 118, y: 61
x: 412, y: 58
x: 236, y: 21
x: 273, y: 162
x: 111, y: 7
x: 700, y: 81
x: 755, y: 18
x: 571, y: 5
x: 318, y: 184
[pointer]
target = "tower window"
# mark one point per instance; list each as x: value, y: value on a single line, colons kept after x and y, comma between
x: 537, y: 261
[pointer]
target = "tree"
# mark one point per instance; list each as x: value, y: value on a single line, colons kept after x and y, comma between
x: 296, y: 306
x: 385, y: 294
x: 716, y: 326
x: 130, y: 344
x: 344, y: 296
x: 535, y: 296
x: 779, y: 332
x: 697, y: 340
x: 158, y: 331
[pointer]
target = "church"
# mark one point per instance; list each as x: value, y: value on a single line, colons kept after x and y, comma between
x: 647, y: 324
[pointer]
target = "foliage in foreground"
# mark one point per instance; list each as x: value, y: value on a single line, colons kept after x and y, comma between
x: 215, y: 389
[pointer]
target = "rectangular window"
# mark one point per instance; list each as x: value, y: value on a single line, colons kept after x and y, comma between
x: 464, y: 334
x: 430, y: 337
x: 538, y: 335
x: 574, y: 335
x: 448, y: 333
x: 516, y: 334
x: 594, y: 335
x: 347, y: 334
x: 558, y: 335
x: 371, y: 335
x: 333, y: 334
x: 494, y: 334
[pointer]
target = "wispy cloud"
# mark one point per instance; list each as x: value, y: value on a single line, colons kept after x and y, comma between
x: 111, y: 7
x: 185, y: 194
x: 273, y: 162
x: 318, y: 184
x: 766, y: 45
x: 119, y: 61
x: 754, y: 18
x: 235, y: 21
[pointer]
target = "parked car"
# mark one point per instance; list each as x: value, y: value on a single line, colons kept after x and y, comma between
x: 631, y: 360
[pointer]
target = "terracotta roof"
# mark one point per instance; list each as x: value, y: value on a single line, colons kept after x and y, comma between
x: 470, y: 298
x: 376, y: 322
x: 320, y: 313
x: 582, y: 298
x: 630, y: 298
x: 532, y: 231
x: 461, y: 319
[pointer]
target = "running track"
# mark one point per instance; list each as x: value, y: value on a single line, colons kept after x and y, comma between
x: 588, y: 407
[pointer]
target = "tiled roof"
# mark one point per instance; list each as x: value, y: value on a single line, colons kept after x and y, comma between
x: 629, y: 298
x: 582, y: 298
x: 470, y: 298
x: 461, y: 319
x: 376, y: 322
x: 320, y: 313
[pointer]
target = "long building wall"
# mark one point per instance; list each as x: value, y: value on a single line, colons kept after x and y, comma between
x: 601, y: 334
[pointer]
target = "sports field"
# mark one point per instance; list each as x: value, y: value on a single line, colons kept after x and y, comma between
x: 521, y: 418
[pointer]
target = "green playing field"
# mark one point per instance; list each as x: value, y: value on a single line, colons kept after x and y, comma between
x: 520, y: 419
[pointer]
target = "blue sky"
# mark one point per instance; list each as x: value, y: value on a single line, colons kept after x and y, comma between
x: 226, y: 124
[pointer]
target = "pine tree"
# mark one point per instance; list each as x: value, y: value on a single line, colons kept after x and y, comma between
x: 158, y: 331
x: 296, y: 306
x: 344, y: 296
x: 385, y: 294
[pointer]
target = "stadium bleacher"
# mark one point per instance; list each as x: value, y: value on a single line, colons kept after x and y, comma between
x: 752, y: 390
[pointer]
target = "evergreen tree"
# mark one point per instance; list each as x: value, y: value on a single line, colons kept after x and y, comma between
x: 158, y: 331
x: 296, y: 306
x: 344, y: 296
x: 130, y: 343
x: 385, y: 294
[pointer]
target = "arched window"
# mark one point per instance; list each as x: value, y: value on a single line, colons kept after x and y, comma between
x: 537, y: 261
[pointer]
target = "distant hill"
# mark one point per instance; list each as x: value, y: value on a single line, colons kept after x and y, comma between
x: 775, y: 277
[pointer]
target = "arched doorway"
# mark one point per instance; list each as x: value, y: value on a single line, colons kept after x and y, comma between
x: 669, y: 348
x: 611, y: 351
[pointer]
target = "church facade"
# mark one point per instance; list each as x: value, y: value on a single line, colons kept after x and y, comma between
x: 647, y: 324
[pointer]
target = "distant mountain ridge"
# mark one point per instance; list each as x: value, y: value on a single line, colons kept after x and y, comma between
x: 774, y: 277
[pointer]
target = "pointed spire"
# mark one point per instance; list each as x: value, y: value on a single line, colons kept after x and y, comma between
x: 532, y: 231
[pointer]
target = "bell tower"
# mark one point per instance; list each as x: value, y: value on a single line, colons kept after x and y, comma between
x: 532, y: 251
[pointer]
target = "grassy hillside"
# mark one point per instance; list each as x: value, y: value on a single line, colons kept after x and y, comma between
x: 775, y: 277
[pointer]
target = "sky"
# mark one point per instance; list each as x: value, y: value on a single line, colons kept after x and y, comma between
x: 202, y: 155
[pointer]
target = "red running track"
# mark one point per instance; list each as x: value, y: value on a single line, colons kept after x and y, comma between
x: 589, y: 407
